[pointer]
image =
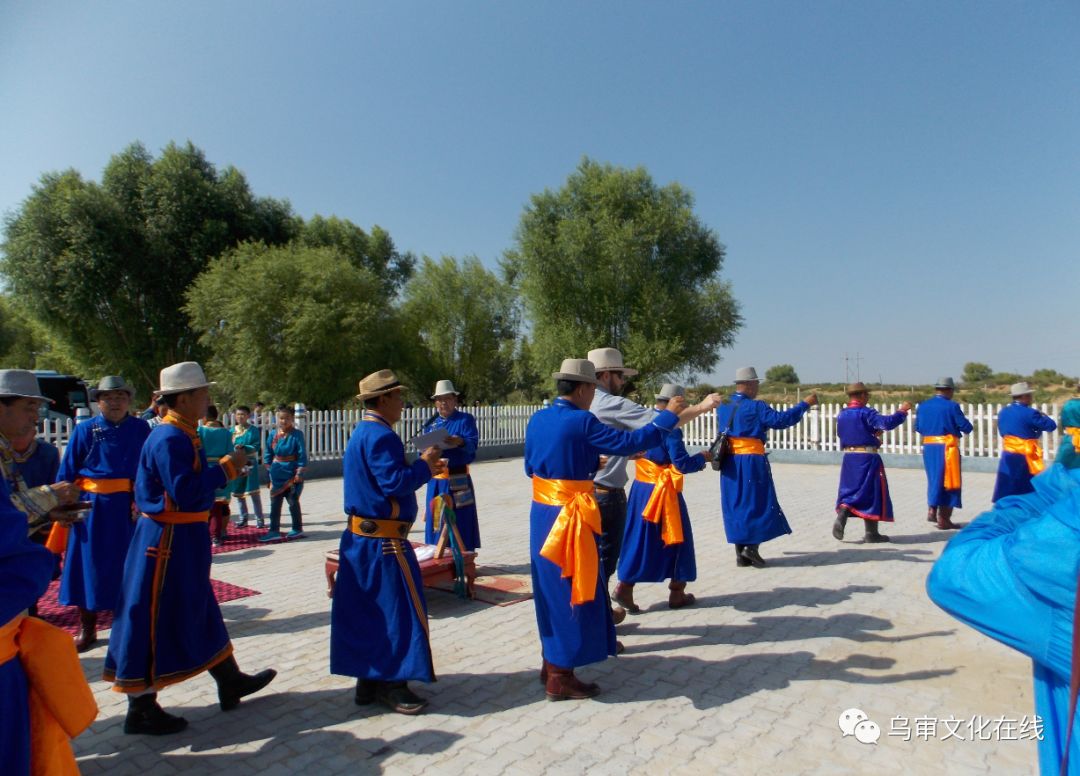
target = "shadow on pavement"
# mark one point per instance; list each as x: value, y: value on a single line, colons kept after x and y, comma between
x: 858, y: 554
x: 708, y: 684
x: 855, y: 627
x: 298, y: 722
x: 779, y: 597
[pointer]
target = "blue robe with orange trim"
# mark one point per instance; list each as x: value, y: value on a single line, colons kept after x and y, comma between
x: 168, y: 625
x: 564, y: 442
x: 644, y: 556
x: 1013, y: 475
x: 864, y: 489
x: 25, y: 571
x: 96, y: 548
x: 940, y: 416
x: 282, y: 473
x: 752, y: 513
x: 378, y: 618
x: 460, y: 424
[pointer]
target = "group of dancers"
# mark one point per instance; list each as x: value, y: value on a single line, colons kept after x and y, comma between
x: 168, y: 626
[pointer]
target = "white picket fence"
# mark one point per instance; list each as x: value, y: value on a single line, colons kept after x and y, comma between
x: 817, y: 431
x: 327, y: 432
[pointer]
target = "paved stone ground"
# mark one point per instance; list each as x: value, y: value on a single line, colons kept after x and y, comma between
x: 751, y: 680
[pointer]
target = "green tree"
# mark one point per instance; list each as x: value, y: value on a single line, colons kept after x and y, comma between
x: 374, y: 251
x: 102, y: 266
x: 307, y: 329
x: 612, y: 259
x: 974, y: 372
x: 466, y: 319
x: 782, y: 373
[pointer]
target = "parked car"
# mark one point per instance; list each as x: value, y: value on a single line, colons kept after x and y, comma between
x: 68, y: 392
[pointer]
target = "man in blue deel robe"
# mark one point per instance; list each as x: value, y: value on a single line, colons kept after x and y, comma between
x: 378, y: 619
x: 752, y: 513
x: 101, y: 460
x: 864, y: 489
x: 456, y: 481
x: 168, y: 625
x: 1012, y: 574
x: 563, y: 444
x: 941, y: 423
x: 1021, y: 426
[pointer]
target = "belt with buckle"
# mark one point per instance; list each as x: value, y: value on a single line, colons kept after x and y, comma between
x: 860, y: 449
x: 378, y: 529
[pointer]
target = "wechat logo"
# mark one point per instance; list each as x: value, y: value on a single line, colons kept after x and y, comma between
x: 855, y: 722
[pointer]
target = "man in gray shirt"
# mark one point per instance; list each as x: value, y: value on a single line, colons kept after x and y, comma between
x: 612, y: 409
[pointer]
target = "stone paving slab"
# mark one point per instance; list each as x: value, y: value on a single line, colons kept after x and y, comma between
x: 751, y: 680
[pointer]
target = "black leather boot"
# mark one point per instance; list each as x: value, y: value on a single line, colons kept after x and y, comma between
x: 750, y: 552
x: 398, y: 697
x: 931, y: 514
x: 841, y: 522
x: 872, y: 534
x: 233, y: 684
x: 146, y: 717
x: 740, y: 560
x: 365, y: 691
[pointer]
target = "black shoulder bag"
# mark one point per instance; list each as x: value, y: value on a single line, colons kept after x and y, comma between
x: 720, y: 449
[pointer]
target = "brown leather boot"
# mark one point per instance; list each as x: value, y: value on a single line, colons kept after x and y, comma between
x: 944, y: 519
x: 87, y: 631
x: 618, y: 614
x: 562, y: 685
x: 931, y: 514
x: 678, y: 598
x: 624, y: 596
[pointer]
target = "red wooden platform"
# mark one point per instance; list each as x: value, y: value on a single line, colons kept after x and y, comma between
x: 434, y: 571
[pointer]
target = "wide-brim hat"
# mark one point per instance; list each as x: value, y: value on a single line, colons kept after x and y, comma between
x: 444, y: 387
x: 670, y: 391
x: 22, y: 384
x: 945, y: 382
x: 1020, y: 389
x: 378, y: 383
x: 185, y: 376
x: 746, y: 374
x: 578, y: 370
x: 857, y: 388
x: 610, y: 360
x: 111, y: 383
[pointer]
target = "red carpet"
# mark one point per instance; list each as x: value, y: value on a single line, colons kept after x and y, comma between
x: 67, y: 617
x: 497, y: 586
x: 243, y: 538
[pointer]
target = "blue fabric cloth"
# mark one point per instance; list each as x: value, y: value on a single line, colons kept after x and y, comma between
x: 460, y: 424
x: 378, y: 617
x: 864, y: 488
x: 216, y: 442
x: 1012, y: 575
x: 645, y: 557
x: 940, y: 416
x: 25, y: 572
x: 168, y: 625
x: 752, y: 513
x: 1067, y: 455
x: 564, y: 442
x: 1018, y: 420
x: 249, y: 439
x: 96, y: 548
x: 289, y: 445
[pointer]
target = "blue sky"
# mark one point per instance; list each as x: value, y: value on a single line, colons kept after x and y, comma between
x: 895, y: 179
